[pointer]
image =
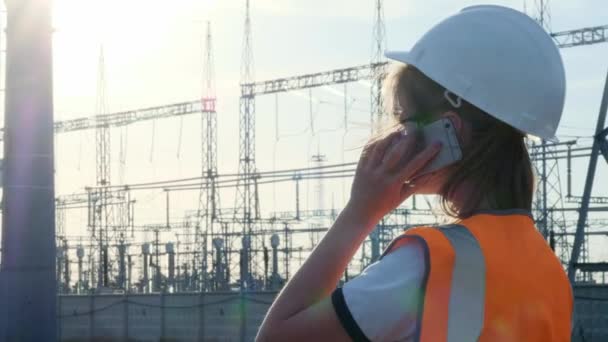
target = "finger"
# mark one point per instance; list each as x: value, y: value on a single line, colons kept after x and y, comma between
x: 381, y: 146
x: 401, y: 152
x: 419, y: 162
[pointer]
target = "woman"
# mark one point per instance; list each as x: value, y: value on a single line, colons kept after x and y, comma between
x: 490, y: 276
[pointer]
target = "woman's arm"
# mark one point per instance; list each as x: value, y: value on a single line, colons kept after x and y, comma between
x: 294, y: 313
x: 303, y: 309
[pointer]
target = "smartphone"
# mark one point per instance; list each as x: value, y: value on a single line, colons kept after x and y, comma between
x: 443, y: 131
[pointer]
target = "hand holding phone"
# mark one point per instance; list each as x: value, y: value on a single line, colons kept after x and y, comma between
x: 385, y: 164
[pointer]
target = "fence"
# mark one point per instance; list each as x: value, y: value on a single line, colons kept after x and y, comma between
x: 232, y: 316
x: 591, y: 313
x: 226, y: 316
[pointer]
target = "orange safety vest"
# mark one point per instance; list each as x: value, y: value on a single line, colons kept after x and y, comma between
x: 491, y: 277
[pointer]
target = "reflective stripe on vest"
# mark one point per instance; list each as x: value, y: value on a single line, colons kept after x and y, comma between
x: 467, y: 291
x: 462, y: 291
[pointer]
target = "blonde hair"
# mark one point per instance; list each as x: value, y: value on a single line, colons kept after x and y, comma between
x: 497, y: 160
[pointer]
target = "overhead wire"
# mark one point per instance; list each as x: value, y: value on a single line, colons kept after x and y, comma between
x: 274, y: 178
x: 220, y: 176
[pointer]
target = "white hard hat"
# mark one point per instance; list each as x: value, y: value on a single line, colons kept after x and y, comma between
x: 499, y: 60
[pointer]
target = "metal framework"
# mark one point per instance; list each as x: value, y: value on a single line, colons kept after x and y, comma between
x: 584, y: 36
x: 378, y: 48
x: 336, y: 76
x: 594, y: 199
x: 102, y: 217
x: 548, y: 196
x: 209, y: 197
x: 543, y: 13
x: 128, y: 117
x: 598, y: 141
x: 246, y: 208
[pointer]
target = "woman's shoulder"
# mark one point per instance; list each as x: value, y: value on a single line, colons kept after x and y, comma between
x: 404, y: 260
x: 370, y: 297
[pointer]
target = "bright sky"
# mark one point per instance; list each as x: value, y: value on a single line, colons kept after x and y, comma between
x: 153, y: 56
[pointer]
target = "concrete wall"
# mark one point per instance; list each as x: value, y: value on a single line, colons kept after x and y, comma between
x: 175, y: 317
x: 231, y: 316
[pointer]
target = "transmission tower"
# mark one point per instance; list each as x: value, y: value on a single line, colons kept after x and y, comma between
x: 101, y: 208
x: 543, y: 13
x: 548, y: 200
x: 209, y: 194
x: 548, y: 195
x: 378, y: 47
x: 106, y: 230
x: 246, y: 209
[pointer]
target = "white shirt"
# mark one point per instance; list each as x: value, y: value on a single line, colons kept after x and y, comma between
x: 384, y: 301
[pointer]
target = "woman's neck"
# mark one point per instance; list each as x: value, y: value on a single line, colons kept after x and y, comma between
x: 461, y: 199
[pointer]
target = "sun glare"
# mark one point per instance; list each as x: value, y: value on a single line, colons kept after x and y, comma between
x: 127, y: 29
x: 115, y: 20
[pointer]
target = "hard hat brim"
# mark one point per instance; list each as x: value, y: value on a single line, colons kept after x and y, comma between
x: 400, y: 56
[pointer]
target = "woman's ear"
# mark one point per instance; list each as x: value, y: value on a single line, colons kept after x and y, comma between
x: 458, y: 123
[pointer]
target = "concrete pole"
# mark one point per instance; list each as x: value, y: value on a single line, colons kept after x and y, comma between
x: 28, y: 287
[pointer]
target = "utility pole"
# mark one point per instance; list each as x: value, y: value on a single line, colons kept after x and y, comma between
x: 29, y: 290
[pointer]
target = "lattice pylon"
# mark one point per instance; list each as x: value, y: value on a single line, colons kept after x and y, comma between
x: 378, y: 116
x: 209, y: 198
x: 246, y: 208
x: 548, y: 200
x: 101, y: 206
